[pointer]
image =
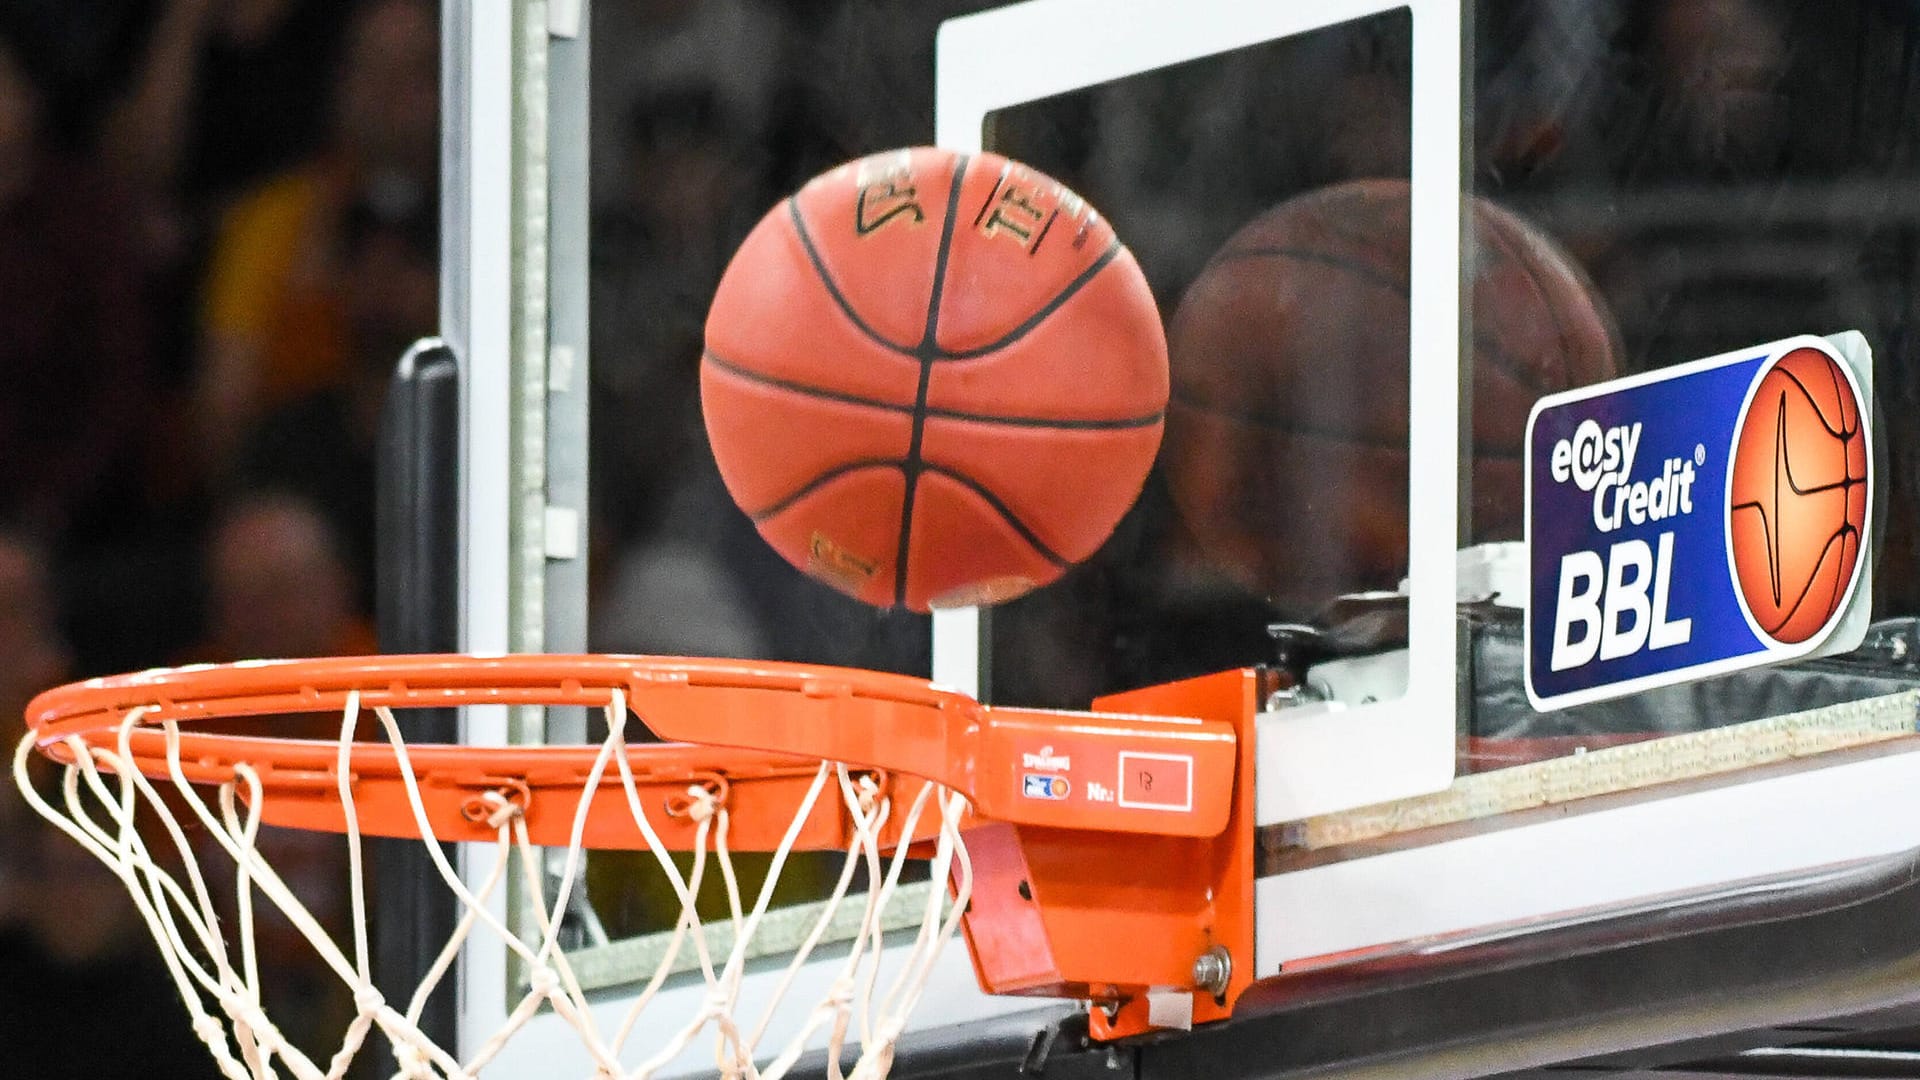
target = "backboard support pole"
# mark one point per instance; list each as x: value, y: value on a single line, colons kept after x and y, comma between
x: 493, y: 316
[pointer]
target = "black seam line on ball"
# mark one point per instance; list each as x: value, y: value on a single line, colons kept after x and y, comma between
x: 1359, y: 270
x: 1123, y: 423
x: 1038, y: 317
x: 1496, y: 354
x: 839, y: 298
x: 1508, y: 250
x: 749, y: 375
x: 1270, y: 423
x: 928, y: 351
x: 1006, y: 513
x: 820, y: 481
x: 1845, y: 430
x: 1060, y: 424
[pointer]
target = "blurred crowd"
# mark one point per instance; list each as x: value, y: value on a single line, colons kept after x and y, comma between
x: 220, y: 228
x: 218, y: 232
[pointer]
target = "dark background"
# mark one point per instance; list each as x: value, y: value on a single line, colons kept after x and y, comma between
x: 218, y: 232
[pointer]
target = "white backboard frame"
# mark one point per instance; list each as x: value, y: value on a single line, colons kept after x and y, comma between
x: 1321, y: 760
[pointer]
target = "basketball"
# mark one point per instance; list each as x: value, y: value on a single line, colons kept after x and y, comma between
x: 1286, y: 451
x: 933, y: 379
x: 1797, y: 504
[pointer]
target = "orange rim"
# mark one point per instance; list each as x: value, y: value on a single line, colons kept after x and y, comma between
x: 761, y: 728
x: 272, y: 687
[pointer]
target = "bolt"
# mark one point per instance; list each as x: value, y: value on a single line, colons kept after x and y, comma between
x: 1212, y: 970
x: 1288, y: 697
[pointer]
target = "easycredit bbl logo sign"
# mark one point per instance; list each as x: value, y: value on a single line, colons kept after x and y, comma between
x: 1699, y: 519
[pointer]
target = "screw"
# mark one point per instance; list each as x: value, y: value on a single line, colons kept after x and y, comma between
x: 1298, y: 694
x: 1212, y: 970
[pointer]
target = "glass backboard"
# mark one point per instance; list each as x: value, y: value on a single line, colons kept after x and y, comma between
x: 1379, y: 236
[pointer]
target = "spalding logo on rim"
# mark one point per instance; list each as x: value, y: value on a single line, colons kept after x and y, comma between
x: 1700, y: 519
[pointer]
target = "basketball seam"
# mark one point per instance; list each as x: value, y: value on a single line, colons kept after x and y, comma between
x: 985, y: 493
x: 1842, y: 394
x: 1546, y: 303
x: 1124, y: 423
x: 929, y: 344
x: 1837, y: 536
x: 817, y: 481
x: 1839, y: 583
x: 1773, y: 512
x: 1359, y: 270
x: 1844, y: 432
x: 1066, y: 293
x: 1783, y: 466
x: 930, y: 351
x: 1833, y: 377
x: 839, y: 299
x: 1847, y: 479
x: 1766, y: 540
x: 1497, y: 355
x: 1006, y: 513
x: 1046, y: 423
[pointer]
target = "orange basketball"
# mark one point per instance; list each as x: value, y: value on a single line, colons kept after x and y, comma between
x: 1287, y: 441
x: 934, y: 379
x: 1798, y: 498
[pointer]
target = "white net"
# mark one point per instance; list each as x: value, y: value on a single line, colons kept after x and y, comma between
x: 145, y: 829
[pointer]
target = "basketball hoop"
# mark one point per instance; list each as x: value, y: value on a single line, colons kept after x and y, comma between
x: 758, y: 756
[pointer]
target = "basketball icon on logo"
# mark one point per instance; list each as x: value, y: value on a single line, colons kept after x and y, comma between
x: 1797, y: 495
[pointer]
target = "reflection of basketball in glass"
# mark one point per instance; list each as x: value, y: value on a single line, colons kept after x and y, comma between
x: 934, y: 379
x: 1287, y: 438
x: 1798, y: 495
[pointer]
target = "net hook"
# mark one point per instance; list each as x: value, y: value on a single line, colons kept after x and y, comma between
x: 707, y: 792
x: 506, y: 800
